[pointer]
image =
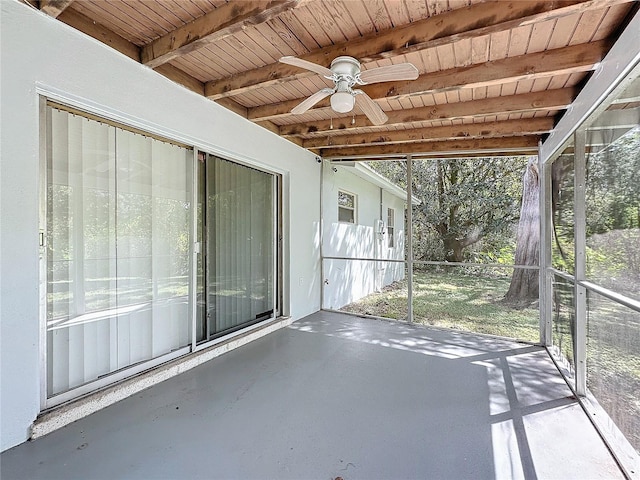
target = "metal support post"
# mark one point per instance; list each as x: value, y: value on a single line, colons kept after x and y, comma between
x: 580, y: 261
x: 321, y: 233
x: 545, y: 278
x: 409, y: 237
x: 196, y: 249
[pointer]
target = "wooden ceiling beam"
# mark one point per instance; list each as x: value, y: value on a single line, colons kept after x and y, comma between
x: 527, y: 126
x: 424, y: 156
x: 465, y: 23
x: 181, y: 77
x: 528, y: 143
x: 195, y: 85
x: 273, y: 128
x: 558, y: 99
x: 560, y: 61
x: 99, y: 32
x: 235, y: 107
x: 226, y: 20
x: 54, y: 8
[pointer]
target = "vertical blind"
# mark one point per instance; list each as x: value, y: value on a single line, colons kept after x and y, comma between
x: 118, y: 216
x: 241, y: 245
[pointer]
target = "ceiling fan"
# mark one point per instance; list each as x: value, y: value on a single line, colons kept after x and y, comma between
x: 345, y: 73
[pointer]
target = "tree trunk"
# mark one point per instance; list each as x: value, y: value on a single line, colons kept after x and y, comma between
x: 453, y: 249
x: 524, y: 283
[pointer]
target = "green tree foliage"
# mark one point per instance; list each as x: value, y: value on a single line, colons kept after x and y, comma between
x: 469, y: 207
x: 613, y: 176
x: 612, y: 200
x: 562, y: 191
x: 613, y: 214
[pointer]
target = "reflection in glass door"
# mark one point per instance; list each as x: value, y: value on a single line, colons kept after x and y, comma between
x: 238, y: 228
x: 118, y: 212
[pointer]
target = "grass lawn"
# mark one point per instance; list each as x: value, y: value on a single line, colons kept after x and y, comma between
x: 466, y: 302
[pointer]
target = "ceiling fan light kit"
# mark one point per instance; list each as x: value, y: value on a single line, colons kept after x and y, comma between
x: 343, y: 97
x: 345, y: 73
x: 342, y: 102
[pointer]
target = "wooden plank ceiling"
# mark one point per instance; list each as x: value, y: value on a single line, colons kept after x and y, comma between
x: 494, y: 76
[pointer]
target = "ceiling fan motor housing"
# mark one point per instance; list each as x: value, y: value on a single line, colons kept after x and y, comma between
x: 346, y: 68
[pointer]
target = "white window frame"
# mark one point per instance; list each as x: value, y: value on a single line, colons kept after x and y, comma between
x: 354, y: 210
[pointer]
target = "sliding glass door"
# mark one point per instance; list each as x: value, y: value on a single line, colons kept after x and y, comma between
x: 119, y: 223
x: 238, y: 222
x: 118, y: 249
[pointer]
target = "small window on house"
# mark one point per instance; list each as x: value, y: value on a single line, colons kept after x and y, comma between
x: 390, y: 226
x: 346, y: 207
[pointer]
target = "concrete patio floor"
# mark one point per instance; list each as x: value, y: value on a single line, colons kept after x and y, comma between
x: 335, y: 395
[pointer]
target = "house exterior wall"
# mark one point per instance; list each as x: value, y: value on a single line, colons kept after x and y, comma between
x: 43, y: 56
x: 346, y: 281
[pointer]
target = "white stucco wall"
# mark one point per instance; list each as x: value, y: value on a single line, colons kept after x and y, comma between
x: 347, y: 280
x: 40, y: 54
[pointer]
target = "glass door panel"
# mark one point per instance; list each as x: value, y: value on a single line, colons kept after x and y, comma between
x: 118, y: 239
x: 240, y: 245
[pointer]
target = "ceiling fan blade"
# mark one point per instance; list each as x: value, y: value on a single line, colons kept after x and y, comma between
x: 311, y: 101
x: 370, y: 108
x: 401, y: 71
x: 314, y: 67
